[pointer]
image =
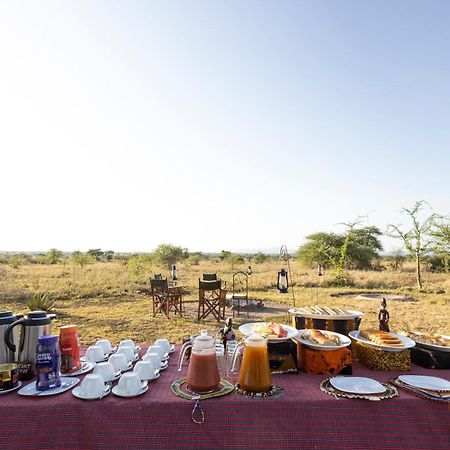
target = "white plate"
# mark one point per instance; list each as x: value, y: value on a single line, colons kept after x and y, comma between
x: 66, y: 384
x: 116, y: 391
x: 441, y: 348
x: 407, y: 342
x: 357, y: 385
x: 351, y: 315
x: 77, y: 393
x: 426, y: 382
x: 86, y: 366
x: 249, y: 328
x: 345, y: 341
x: 5, y: 391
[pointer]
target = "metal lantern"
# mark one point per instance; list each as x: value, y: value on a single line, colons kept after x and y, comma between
x: 249, y: 270
x: 282, y: 282
x: 319, y: 270
x: 173, y: 273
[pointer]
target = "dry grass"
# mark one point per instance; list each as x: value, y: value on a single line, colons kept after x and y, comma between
x: 105, y: 299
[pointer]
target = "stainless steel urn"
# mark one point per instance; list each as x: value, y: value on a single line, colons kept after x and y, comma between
x: 6, y: 319
x: 34, y: 325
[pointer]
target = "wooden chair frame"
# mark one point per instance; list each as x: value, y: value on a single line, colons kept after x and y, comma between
x: 166, y: 298
x: 211, y: 299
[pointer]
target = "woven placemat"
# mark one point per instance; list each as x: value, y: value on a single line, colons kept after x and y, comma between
x: 274, y: 391
x: 180, y: 389
x: 390, y: 392
x: 417, y: 392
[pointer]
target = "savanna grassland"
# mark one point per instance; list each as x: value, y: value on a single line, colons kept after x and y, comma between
x: 105, y: 299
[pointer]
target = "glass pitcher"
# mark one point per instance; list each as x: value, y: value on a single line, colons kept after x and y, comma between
x: 254, y: 375
x: 203, y: 373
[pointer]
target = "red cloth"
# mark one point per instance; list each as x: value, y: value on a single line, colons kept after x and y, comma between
x: 302, y: 417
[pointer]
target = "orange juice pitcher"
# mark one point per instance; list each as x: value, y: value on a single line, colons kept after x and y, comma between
x: 254, y: 375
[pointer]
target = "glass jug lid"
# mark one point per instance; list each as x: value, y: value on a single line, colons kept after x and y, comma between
x: 204, y: 340
x: 256, y: 340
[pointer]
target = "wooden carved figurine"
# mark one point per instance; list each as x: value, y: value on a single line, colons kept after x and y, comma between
x: 228, y: 333
x: 383, y: 316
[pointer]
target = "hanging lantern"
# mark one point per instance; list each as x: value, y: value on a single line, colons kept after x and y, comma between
x: 319, y: 270
x: 282, y: 282
x: 249, y: 270
x: 173, y: 273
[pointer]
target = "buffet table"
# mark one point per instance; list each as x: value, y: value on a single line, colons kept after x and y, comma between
x: 301, y: 417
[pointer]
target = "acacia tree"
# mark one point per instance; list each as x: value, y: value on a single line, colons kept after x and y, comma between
x: 168, y: 254
x: 53, y: 255
x: 354, y: 249
x: 96, y: 253
x: 415, y: 240
x: 441, y: 234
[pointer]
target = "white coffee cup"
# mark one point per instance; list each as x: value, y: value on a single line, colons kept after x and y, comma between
x: 145, y: 370
x: 158, y: 349
x: 127, y: 343
x: 164, y: 343
x: 92, y: 385
x: 130, y: 384
x: 154, y: 358
x: 105, y: 344
x: 128, y: 352
x: 106, y: 370
x: 95, y: 353
x: 119, y: 361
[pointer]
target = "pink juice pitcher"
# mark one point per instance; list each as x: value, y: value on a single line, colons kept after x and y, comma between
x: 203, y: 373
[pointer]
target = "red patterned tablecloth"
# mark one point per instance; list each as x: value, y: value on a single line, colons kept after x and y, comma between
x: 302, y: 417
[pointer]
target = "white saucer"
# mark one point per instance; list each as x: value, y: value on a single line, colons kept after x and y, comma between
x: 19, y: 384
x: 105, y: 358
x: 116, y: 391
x: 77, y: 393
x: 156, y: 377
x: 66, y: 384
x: 130, y: 366
x: 164, y: 365
x: 172, y: 348
x: 116, y: 377
x: 118, y: 374
x: 87, y: 366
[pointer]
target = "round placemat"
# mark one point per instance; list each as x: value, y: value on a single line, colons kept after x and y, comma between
x: 390, y: 392
x: 180, y: 389
x: 274, y: 391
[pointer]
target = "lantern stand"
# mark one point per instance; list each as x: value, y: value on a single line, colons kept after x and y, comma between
x: 283, y: 275
x: 173, y: 274
x: 320, y: 274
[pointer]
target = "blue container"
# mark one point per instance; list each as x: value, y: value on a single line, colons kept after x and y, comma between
x: 48, y: 363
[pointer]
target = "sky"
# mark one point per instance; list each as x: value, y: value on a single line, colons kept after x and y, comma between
x: 213, y: 125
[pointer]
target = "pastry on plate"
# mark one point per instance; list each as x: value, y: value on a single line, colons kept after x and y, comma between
x: 321, y: 338
x: 381, y: 338
x: 430, y: 338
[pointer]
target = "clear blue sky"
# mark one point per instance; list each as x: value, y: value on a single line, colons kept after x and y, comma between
x: 218, y: 125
